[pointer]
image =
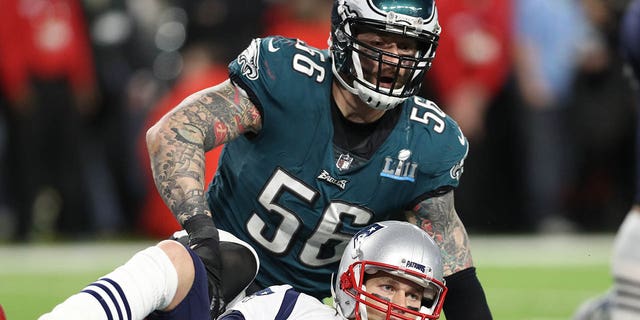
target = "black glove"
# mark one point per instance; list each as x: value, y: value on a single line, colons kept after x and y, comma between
x: 205, y: 242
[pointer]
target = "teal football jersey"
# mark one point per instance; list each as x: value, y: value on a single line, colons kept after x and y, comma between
x: 283, y: 191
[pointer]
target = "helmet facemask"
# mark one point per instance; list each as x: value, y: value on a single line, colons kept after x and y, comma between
x: 381, y: 79
x: 353, y: 281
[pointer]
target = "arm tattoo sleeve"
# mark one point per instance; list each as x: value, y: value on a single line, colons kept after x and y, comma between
x: 437, y: 216
x: 178, y: 142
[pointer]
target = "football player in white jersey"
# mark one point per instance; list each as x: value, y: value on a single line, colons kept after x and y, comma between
x: 167, y: 281
x: 622, y: 302
x: 390, y: 270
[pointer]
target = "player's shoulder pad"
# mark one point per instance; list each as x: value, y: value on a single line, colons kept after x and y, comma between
x: 260, y: 304
x: 434, y: 127
x: 272, y: 56
x: 249, y: 62
x: 272, y: 65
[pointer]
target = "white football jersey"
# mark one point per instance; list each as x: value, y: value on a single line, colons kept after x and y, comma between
x: 280, y: 303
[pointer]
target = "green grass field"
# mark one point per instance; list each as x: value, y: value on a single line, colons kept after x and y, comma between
x: 525, y: 277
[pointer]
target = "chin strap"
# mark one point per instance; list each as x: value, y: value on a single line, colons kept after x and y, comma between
x: 334, y: 296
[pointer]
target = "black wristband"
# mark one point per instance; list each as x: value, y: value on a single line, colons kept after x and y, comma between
x: 465, y: 298
x: 204, y: 240
x: 201, y: 227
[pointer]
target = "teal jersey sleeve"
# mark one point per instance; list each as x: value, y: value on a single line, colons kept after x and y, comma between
x: 441, y: 148
x: 272, y: 68
x: 449, y: 140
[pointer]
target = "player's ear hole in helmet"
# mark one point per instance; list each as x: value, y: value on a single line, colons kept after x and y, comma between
x: 395, y: 77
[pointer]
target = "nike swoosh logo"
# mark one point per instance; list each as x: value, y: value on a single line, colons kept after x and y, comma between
x: 461, y: 137
x: 271, y: 47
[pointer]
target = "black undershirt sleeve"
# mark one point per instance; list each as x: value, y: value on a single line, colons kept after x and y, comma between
x: 465, y: 299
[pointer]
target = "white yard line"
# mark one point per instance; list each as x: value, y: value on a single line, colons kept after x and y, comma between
x: 570, y: 250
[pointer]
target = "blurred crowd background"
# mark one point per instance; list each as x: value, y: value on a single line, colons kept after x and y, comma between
x: 538, y: 87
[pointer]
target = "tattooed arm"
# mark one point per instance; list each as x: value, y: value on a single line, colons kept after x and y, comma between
x: 437, y: 216
x: 465, y: 298
x: 178, y: 142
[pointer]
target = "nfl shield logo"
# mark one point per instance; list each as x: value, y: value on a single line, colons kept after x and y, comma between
x: 344, y: 162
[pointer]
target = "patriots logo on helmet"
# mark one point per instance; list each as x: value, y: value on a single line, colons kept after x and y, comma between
x: 415, y: 265
x: 365, y: 232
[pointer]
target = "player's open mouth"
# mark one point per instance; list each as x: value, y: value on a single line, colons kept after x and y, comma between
x: 386, y: 82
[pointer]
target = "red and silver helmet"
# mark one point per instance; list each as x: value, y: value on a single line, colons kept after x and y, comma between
x: 399, y: 249
x: 414, y: 19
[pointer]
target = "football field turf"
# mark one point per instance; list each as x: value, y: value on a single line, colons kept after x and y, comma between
x: 525, y: 277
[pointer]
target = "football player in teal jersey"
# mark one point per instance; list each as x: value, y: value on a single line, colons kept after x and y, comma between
x: 318, y: 144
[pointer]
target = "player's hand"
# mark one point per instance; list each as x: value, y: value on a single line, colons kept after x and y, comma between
x: 205, y: 242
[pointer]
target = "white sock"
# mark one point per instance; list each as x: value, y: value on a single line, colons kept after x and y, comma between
x: 147, y: 282
x: 626, y: 269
